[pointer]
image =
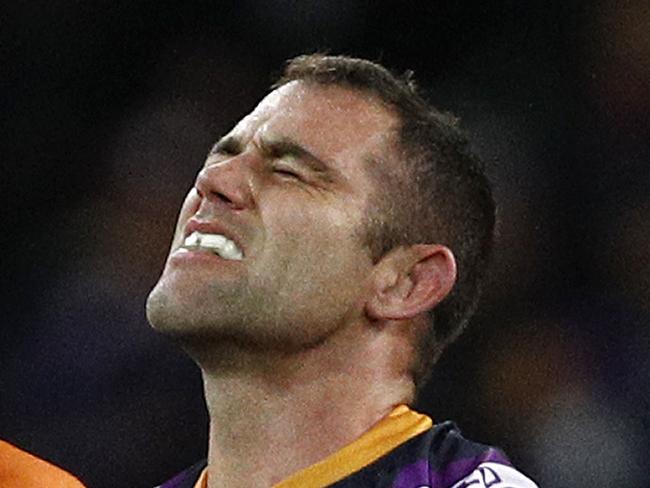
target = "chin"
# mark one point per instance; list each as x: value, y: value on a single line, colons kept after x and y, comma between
x: 252, y: 319
x: 159, y: 311
x: 169, y: 312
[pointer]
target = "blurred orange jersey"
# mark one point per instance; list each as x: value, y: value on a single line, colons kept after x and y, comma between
x: 19, y: 469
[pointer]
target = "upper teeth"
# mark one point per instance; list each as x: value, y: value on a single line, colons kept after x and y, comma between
x: 216, y: 243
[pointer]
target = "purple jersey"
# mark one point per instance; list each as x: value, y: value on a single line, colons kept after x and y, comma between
x: 439, y: 458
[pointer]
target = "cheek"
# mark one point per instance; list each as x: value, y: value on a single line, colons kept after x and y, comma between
x: 320, y: 242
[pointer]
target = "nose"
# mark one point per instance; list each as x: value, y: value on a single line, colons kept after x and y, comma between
x: 227, y: 183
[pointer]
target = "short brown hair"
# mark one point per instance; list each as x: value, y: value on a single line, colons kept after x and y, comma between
x: 438, y: 191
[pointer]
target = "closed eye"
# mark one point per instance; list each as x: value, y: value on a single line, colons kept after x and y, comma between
x: 286, y: 173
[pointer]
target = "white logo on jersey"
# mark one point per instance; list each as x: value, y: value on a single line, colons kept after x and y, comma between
x: 495, y: 475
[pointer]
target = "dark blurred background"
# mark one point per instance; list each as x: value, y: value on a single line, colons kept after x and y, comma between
x: 107, y: 110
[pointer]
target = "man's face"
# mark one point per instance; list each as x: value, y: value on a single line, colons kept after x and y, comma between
x: 289, y: 185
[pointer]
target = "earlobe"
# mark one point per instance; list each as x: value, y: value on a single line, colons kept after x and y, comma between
x: 412, y: 284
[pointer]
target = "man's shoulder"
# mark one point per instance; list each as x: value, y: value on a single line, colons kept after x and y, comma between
x: 440, y: 458
x: 459, y: 462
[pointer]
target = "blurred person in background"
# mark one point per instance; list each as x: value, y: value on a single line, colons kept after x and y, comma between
x: 333, y: 245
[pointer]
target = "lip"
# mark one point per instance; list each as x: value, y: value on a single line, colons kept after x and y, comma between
x: 194, y: 225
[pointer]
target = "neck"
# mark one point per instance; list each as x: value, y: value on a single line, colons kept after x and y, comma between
x: 273, y: 414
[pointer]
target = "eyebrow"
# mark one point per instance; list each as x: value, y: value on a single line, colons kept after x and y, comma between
x: 274, y: 147
x: 227, y: 145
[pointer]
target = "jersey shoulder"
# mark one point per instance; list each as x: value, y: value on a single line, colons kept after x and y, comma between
x: 440, y: 458
x: 457, y: 462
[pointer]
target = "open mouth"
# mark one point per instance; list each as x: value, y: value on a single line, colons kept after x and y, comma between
x: 214, y: 243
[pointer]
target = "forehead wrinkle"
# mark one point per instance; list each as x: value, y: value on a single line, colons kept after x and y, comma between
x: 298, y: 111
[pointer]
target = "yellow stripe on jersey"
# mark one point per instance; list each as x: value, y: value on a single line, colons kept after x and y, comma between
x: 393, y: 430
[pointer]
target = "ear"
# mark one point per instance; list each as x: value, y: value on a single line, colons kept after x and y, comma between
x: 411, y: 281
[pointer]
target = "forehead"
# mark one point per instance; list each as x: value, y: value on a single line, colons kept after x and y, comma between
x: 342, y: 127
